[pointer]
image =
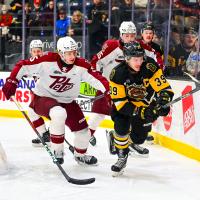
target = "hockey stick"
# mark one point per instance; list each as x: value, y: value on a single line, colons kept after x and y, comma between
x: 178, y: 99
x: 69, y: 179
x: 182, y: 97
x: 193, y: 78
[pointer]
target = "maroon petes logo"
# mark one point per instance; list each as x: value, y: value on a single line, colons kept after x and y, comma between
x: 61, y: 84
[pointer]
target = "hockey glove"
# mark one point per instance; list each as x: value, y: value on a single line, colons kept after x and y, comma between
x: 10, y: 87
x: 149, y: 114
x: 162, y: 100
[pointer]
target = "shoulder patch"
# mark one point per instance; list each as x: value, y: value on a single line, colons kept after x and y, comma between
x: 151, y: 67
x: 112, y: 74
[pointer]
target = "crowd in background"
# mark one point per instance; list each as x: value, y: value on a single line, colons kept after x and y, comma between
x: 100, y: 22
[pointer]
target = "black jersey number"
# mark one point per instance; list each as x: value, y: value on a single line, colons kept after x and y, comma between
x: 113, y: 90
x: 160, y: 80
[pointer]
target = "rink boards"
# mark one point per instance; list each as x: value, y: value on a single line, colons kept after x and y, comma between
x: 178, y: 131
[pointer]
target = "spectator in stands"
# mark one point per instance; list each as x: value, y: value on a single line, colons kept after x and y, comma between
x: 193, y: 61
x: 62, y: 24
x: 174, y: 37
x: 42, y: 3
x: 179, y: 54
x: 97, y: 21
x: 35, y: 22
x: 160, y: 11
x: 36, y: 14
x: 27, y: 9
x: 126, y: 14
x: 16, y: 5
x: 186, y: 13
x: 48, y: 15
x: 5, y: 20
x: 158, y: 39
x: 75, y: 28
x: 16, y: 26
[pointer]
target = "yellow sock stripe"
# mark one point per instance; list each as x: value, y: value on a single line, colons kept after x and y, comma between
x: 120, y: 138
x: 121, y: 142
x: 121, y: 147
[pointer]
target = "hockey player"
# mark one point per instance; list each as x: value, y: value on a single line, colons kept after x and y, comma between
x: 60, y: 75
x: 152, y: 49
x: 109, y: 57
x: 134, y: 84
x: 36, y: 50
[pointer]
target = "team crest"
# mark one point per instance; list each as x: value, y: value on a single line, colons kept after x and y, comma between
x: 136, y: 92
x: 151, y: 67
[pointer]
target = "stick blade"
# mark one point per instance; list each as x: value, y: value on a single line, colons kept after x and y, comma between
x: 81, y: 181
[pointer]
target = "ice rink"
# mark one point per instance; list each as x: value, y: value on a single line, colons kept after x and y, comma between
x: 32, y: 175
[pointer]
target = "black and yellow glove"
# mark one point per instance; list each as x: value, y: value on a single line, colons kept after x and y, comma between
x: 149, y: 114
x: 163, y: 99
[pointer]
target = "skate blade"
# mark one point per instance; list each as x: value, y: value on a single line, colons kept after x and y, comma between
x: 116, y: 174
x: 41, y: 145
x: 136, y: 155
x: 86, y: 165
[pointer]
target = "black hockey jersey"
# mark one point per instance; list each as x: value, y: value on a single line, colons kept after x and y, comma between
x: 130, y: 90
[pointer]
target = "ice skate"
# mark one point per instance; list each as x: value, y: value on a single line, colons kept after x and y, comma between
x: 86, y: 160
x: 137, y: 150
x: 59, y: 156
x: 118, y: 167
x: 46, y: 137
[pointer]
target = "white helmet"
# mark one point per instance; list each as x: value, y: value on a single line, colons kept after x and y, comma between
x: 36, y: 44
x: 127, y: 27
x: 66, y: 44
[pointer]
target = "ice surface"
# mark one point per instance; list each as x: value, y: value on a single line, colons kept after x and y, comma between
x: 31, y: 174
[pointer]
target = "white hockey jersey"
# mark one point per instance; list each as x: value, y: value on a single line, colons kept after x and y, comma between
x: 112, y: 54
x: 109, y: 57
x: 58, y: 80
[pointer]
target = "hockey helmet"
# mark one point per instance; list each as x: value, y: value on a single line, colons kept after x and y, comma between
x: 133, y: 49
x: 127, y: 27
x: 148, y: 26
x: 66, y: 44
x: 36, y: 44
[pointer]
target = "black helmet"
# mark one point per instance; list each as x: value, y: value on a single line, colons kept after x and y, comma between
x: 133, y: 49
x: 148, y: 26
